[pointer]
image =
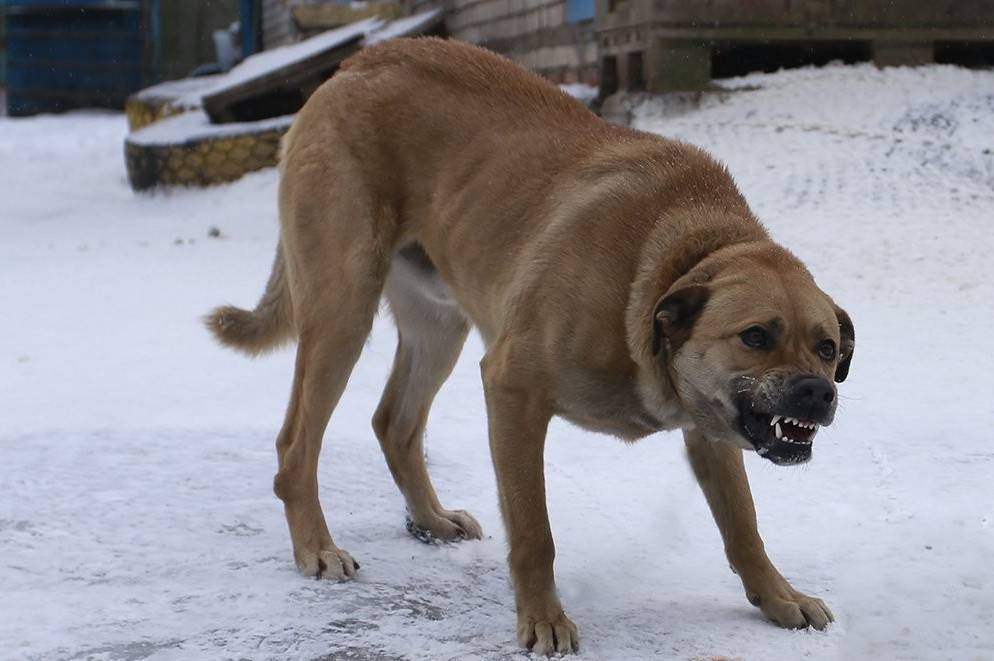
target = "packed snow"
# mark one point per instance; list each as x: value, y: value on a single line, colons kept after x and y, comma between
x: 581, y: 91
x: 195, y: 125
x: 184, y: 93
x: 136, y: 513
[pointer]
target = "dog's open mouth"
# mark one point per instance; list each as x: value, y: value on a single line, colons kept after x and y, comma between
x: 781, y: 439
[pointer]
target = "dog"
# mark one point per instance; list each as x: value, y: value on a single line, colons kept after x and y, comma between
x: 619, y: 280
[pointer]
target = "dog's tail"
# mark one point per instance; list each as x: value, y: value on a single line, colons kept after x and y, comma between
x: 267, y: 327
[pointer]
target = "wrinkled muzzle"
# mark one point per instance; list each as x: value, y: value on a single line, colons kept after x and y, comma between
x: 780, y: 415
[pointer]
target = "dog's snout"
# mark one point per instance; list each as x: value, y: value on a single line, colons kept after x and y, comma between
x: 812, y: 397
x: 814, y: 389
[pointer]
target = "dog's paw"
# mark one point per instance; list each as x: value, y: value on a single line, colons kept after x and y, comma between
x: 445, y: 526
x: 548, y: 636
x: 330, y: 563
x: 791, y: 609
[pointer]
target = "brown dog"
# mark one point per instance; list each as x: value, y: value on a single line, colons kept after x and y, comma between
x: 618, y: 279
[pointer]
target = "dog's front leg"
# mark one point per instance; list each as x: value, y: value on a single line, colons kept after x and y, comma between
x: 721, y: 473
x: 519, y: 417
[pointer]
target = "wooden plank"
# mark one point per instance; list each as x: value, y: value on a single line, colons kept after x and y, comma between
x: 301, y: 77
x: 292, y: 73
x: 777, y: 33
x: 902, y: 53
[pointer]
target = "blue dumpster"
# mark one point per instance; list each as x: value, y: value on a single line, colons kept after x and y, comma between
x: 64, y: 54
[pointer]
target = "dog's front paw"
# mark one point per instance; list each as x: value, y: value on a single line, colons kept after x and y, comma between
x: 330, y: 563
x: 789, y: 608
x: 445, y: 526
x: 549, y: 633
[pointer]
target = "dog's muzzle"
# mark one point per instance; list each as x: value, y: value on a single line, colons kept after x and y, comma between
x: 783, y: 430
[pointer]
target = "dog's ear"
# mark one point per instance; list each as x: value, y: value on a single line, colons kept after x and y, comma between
x: 674, y: 316
x: 847, y: 345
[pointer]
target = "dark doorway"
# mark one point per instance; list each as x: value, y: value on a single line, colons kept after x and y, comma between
x: 972, y: 54
x: 737, y: 59
x: 636, y: 72
x: 609, y: 75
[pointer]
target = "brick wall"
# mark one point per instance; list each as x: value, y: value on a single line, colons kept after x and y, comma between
x: 535, y: 33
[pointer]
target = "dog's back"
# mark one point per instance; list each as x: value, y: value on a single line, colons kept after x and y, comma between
x: 474, y: 73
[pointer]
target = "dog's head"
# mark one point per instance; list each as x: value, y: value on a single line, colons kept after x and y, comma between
x: 754, y: 347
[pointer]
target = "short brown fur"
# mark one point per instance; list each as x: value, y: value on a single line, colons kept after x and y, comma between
x: 609, y: 272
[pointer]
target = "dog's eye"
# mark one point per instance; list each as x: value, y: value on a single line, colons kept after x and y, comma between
x: 755, y: 337
x: 826, y: 349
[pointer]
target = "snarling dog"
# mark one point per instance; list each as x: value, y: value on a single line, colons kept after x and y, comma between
x: 619, y: 280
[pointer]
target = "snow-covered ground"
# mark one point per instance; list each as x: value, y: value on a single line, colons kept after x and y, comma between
x: 136, y: 514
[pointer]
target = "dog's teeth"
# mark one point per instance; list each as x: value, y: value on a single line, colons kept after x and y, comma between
x: 779, y: 432
x: 775, y: 420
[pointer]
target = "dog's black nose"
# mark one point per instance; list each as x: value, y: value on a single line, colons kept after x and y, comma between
x: 811, y: 397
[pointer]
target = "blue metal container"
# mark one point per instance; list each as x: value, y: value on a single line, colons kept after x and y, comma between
x: 3, y: 45
x: 64, y: 54
x: 578, y: 11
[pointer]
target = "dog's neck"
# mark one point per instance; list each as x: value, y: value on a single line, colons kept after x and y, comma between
x: 677, y: 244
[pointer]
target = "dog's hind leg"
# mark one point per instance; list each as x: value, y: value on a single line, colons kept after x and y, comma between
x: 431, y: 332
x: 337, y: 244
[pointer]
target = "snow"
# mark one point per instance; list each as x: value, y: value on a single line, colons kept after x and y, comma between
x: 136, y: 512
x: 196, y: 125
x: 582, y: 91
x: 187, y: 91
